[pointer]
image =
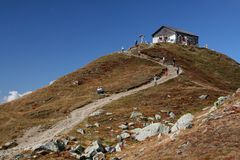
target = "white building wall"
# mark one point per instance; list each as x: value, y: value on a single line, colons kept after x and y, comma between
x: 171, y: 39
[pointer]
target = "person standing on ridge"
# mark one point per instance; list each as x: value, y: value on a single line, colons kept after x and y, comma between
x: 174, y: 62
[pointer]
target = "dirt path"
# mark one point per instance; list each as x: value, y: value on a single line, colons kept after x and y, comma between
x: 35, y: 137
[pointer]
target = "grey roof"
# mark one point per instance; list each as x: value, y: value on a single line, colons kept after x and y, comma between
x: 175, y: 30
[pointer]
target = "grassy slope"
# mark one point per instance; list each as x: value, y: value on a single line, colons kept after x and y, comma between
x: 52, y: 103
x: 200, y: 64
x: 179, y: 95
x: 214, y: 139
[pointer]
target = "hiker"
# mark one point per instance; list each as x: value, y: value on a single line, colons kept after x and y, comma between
x: 174, y: 62
x: 178, y: 70
x: 155, y: 78
x: 163, y: 60
x: 136, y: 42
x: 122, y: 49
x: 166, y: 72
x: 100, y: 90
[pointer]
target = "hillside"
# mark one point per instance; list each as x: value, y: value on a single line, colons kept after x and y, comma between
x: 52, y: 103
x: 205, y: 72
x: 215, y: 135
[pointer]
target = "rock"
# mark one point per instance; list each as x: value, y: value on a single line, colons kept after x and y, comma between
x: 53, y: 146
x: 220, y: 101
x: 81, y: 131
x: 88, y: 126
x: 150, y: 118
x: 183, y: 122
x: 96, y: 113
x: 115, y: 158
x: 158, y: 117
x: 95, y: 147
x: 99, y: 156
x: 131, y: 124
x: 78, y: 150
x: 171, y: 115
x: 109, y: 113
x: 124, y: 135
x: 123, y: 127
x: 97, y: 124
x: 135, y: 114
x: 151, y: 130
x: 204, y: 96
x: 110, y: 149
x: 9, y: 145
x: 118, y: 147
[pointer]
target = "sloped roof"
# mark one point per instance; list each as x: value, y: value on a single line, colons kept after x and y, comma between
x: 175, y: 30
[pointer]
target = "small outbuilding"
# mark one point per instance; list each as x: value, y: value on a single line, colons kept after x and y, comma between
x: 173, y: 35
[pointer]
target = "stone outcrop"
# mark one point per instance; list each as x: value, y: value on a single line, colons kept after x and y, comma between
x: 150, y: 130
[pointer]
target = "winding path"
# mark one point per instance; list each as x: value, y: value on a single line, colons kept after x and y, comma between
x: 35, y: 138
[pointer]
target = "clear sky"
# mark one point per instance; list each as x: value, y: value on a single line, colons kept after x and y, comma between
x: 41, y: 40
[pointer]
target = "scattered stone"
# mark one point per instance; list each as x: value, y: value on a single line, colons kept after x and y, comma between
x: 110, y: 149
x: 135, y: 114
x: 97, y: 124
x: 220, y: 101
x: 109, y: 113
x: 119, y: 147
x: 81, y: 131
x: 171, y: 115
x: 135, y: 108
x: 131, y: 124
x: 158, y: 117
x: 123, y: 127
x: 88, y: 126
x: 95, y: 147
x: 183, y: 122
x: 96, y: 113
x: 150, y: 118
x: 204, y: 96
x: 115, y: 158
x: 9, y: 145
x: 124, y: 135
x: 78, y: 150
x: 151, y: 130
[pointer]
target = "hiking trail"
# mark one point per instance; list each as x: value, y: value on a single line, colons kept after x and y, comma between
x: 35, y: 137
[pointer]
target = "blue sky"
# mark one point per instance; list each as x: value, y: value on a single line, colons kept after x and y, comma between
x: 41, y: 40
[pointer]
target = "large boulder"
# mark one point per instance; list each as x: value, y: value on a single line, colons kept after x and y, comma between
x: 183, y: 122
x: 53, y: 146
x: 94, y: 148
x: 151, y: 130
